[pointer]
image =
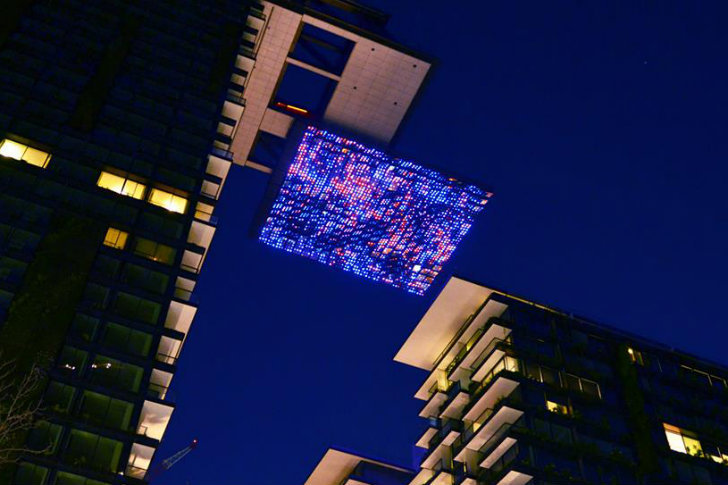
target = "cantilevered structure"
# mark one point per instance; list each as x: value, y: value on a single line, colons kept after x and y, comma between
x: 339, y: 467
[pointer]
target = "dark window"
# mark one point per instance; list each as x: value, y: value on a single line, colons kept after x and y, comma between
x: 126, y: 339
x: 72, y: 360
x: 84, y: 327
x: 29, y: 474
x: 145, y: 279
x: 90, y: 450
x: 135, y: 308
x: 115, y: 374
x: 105, y: 411
x: 58, y: 397
x: 44, y: 437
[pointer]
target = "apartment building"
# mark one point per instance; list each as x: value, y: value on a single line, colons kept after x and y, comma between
x: 119, y: 123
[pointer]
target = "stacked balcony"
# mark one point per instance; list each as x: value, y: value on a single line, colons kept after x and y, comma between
x: 472, y: 406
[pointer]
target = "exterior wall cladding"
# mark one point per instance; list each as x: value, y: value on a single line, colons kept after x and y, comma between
x: 100, y: 246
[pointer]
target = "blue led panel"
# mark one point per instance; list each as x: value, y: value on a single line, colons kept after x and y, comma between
x: 356, y: 208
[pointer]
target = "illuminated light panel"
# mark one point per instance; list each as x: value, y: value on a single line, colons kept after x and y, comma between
x: 349, y: 206
x: 290, y: 107
x: 18, y: 151
x: 171, y: 202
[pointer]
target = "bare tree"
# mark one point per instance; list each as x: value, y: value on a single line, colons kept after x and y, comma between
x: 19, y: 409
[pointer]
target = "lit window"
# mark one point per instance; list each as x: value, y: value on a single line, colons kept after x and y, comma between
x: 121, y: 185
x: 18, y: 151
x: 171, y: 202
x: 719, y: 457
x: 635, y: 356
x: 557, y: 408
x: 115, y: 238
x: 511, y: 364
x: 682, y: 441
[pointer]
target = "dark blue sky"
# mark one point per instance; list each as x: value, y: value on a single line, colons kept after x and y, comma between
x: 602, y: 131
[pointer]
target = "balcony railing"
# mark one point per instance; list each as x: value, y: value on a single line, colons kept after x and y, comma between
x: 489, y: 351
x: 135, y: 472
x: 235, y: 98
x: 185, y: 295
x: 222, y: 153
x: 498, y: 437
x: 480, y: 422
x: 167, y: 359
x: 448, y: 426
x: 157, y: 391
x: 466, y: 350
x: 505, y: 363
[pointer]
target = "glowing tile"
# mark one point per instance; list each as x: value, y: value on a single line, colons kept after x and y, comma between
x: 356, y: 208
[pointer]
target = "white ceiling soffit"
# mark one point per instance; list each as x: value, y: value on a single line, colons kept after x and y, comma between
x: 376, y: 87
x: 336, y: 465
x: 455, y: 303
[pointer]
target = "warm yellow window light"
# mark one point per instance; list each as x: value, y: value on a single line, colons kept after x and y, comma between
x: 680, y: 441
x: 557, y: 408
x: 12, y: 149
x: 121, y: 185
x: 635, y: 356
x: 171, y: 202
x: 18, y: 151
x: 722, y: 458
x: 692, y: 445
x: 116, y: 238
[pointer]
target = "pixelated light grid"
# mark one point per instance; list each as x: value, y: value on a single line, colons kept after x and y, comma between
x: 353, y: 207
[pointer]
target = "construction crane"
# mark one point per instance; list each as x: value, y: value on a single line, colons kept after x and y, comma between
x: 172, y: 460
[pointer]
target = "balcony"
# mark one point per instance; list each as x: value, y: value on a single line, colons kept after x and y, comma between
x: 168, y: 350
x: 432, y: 407
x: 211, y: 186
x: 139, y: 460
x: 486, y: 361
x: 490, y: 392
x: 217, y: 166
x: 457, y: 399
x: 203, y: 212
x: 482, y: 342
x: 500, y: 445
x: 436, y: 456
x: 185, y: 295
x: 222, y: 153
x: 201, y: 235
x: 180, y: 316
x: 235, y: 97
x: 154, y: 419
x: 449, y: 432
x: 441, y: 477
x: 424, y: 441
x: 158, y: 387
x: 192, y: 258
x: 485, y: 423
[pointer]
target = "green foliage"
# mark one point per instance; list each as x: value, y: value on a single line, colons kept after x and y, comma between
x: 97, y: 89
x: 43, y: 308
x: 45, y: 304
x: 635, y: 403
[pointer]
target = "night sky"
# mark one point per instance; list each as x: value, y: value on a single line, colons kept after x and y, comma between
x: 602, y: 132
